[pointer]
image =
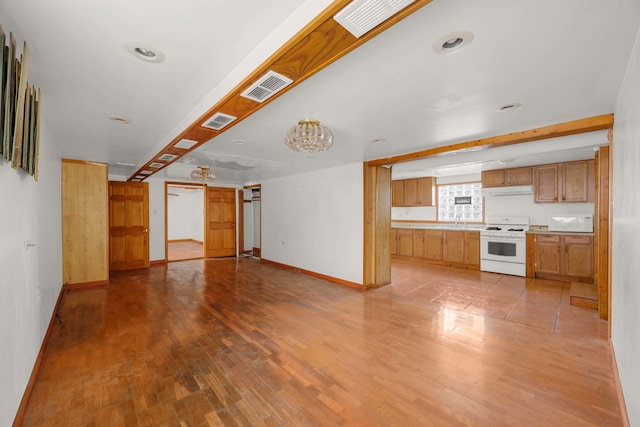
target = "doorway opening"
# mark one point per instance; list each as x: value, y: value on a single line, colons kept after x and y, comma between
x: 251, y: 236
x: 184, y: 213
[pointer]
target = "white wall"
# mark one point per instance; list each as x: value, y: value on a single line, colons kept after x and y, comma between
x: 314, y: 221
x: 255, y: 223
x: 185, y: 214
x: 30, y: 277
x: 625, y: 313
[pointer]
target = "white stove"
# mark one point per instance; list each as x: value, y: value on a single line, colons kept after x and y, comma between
x: 503, y: 245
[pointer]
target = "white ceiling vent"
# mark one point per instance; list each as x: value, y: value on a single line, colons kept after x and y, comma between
x: 268, y: 85
x: 360, y: 16
x: 218, y: 121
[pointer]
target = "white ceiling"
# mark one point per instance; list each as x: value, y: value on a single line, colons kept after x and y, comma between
x: 563, y: 60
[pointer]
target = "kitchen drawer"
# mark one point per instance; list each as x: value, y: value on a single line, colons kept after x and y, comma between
x: 554, y: 238
x: 436, y: 233
x: 578, y: 240
x: 473, y: 235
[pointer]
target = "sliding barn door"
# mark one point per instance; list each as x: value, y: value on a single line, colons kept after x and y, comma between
x: 220, y: 223
x: 128, y: 225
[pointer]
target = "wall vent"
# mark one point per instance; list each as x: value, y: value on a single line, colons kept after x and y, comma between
x: 268, y: 85
x: 218, y: 121
x: 360, y: 16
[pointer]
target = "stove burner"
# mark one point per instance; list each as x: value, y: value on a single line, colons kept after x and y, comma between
x: 516, y: 229
x: 493, y: 228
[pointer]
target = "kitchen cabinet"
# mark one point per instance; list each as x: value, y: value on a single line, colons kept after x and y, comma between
x: 446, y: 247
x: 402, y: 241
x: 472, y: 248
x: 568, y: 257
x: 571, y: 182
x: 433, y: 245
x: 507, y: 177
x: 454, y: 246
x: 413, y: 192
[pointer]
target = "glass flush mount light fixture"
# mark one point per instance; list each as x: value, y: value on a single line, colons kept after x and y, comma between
x: 203, y: 174
x: 309, y: 136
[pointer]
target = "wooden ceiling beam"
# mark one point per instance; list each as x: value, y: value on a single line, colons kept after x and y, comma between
x: 320, y: 43
x: 574, y: 127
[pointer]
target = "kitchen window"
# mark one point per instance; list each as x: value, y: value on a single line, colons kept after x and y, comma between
x: 461, y: 202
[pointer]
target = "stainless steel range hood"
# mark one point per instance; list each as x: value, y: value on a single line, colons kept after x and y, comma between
x: 512, y: 190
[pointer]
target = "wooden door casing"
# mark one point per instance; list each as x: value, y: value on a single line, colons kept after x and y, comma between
x: 220, y: 230
x: 128, y: 225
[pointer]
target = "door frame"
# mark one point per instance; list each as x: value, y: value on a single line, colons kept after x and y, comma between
x: 251, y: 187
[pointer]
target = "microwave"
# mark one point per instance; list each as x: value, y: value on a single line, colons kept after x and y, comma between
x: 580, y: 223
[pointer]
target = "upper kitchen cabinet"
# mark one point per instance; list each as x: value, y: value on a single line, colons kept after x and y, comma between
x: 507, y: 177
x: 571, y: 182
x: 413, y: 192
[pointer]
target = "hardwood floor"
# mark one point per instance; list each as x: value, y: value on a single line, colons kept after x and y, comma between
x: 180, y: 250
x: 238, y: 342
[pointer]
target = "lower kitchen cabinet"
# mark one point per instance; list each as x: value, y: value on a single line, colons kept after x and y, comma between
x: 402, y: 241
x: 454, y: 246
x: 448, y: 247
x: 472, y: 248
x: 565, y: 257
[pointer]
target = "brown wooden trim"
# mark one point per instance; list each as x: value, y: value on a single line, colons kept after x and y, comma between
x: 602, y: 241
x: 589, y: 124
x: 317, y: 45
x: 84, y: 162
x: 157, y: 262
x: 314, y: 274
x: 561, y: 278
x: 624, y: 415
x: 22, y: 409
x: 83, y: 285
x: 531, y: 255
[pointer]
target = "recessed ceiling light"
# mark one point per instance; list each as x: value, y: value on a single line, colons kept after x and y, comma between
x: 510, y: 106
x: 239, y: 141
x: 144, y: 52
x: 453, y: 42
x: 377, y: 140
x: 119, y: 119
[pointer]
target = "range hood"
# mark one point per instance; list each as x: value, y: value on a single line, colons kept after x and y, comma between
x: 512, y: 190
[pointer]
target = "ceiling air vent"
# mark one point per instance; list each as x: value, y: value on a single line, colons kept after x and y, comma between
x: 218, y: 121
x: 360, y: 16
x: 268, y: 85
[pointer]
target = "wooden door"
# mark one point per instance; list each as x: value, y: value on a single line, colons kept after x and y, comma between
x: 575, y: 183
x: 454, y: 246
x: 418, y: 243
x: 85, y: 223
x: 519, y: 176
x: 433, y: 245
x: 548, y: 254
x: 405, y: 242
x: 425, y: 191
x: 472, y: 248
x: 546, y: 184
x: 397, y: 193
x: 220, y: 229
x: 411, y: 197
x: 128, y: 225
x: 578, y: 256
x: 493, y: 178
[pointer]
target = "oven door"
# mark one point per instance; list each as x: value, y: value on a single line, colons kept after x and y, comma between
x: 504, y: 249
